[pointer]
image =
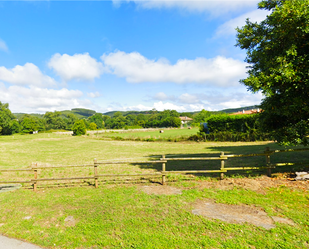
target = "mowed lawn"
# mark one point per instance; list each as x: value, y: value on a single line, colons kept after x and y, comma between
x: 123, y: 216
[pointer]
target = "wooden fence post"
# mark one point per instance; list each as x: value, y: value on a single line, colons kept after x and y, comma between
x: 35, y: 176
x: 222, y: 166
x: 267, y: 151
x: 95, y: 173
x: 163, y: 170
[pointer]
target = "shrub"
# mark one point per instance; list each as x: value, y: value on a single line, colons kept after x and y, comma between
x: 233, y: 123
x: 92, y: 126
x: 79, y: 128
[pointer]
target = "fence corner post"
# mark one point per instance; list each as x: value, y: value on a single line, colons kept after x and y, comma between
x: 222, y: 166
x: 267, y: 152
x: 95, y: 173
x: 35, y: 171
x: 163, y: 170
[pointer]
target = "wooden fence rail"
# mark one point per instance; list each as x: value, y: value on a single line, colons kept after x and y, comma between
x: 163, y: 173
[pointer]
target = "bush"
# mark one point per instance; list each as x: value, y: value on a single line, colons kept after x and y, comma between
x: 92, y: 126
x: 79, y: 128
x: 227, y: 136
x: 233, y: 123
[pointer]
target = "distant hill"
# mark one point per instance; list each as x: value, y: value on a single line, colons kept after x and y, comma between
x: 240, y: 109
x: 80, y: 112
x: 128, y: 112
x: 85, y: 113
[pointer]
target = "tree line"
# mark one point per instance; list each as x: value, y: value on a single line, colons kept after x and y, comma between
x: 57, y: 120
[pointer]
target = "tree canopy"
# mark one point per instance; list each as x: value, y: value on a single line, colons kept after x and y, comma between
x: 278, y: 57
x: 6, y: 119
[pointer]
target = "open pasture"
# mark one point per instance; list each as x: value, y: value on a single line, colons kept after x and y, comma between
x: 125, y: 216
x: 171, y: 134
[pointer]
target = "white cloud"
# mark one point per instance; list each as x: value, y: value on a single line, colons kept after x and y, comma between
x: 40, y: 100
x: 160, y: 106
x: 29, y: 74
x: 77, y: 66
x: 219, y: 71
x: 212, y: 101
x: 3, y: 46
x: 94, y: 95
x: 214, y: 7
x: 229, y: 27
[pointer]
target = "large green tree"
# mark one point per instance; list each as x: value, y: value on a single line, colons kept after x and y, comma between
x: 278, y: 57
x: 54, y: 120
x: 6, y: 119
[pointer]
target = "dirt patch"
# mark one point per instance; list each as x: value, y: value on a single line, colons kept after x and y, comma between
x: 161, y: 190
x: 237, y: 214
x: 258, y: 184
x: 283, y: 220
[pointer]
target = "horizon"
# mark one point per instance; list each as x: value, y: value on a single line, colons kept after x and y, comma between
x: 124, y: 55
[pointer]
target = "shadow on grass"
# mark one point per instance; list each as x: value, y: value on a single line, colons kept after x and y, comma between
x: 300, y: 158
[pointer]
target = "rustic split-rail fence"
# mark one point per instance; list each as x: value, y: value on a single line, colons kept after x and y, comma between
x: 268, y: 166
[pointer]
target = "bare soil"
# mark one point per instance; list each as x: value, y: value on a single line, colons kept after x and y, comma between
x: 238, y: 214
x: 260, y: 184
x: 161, y: 190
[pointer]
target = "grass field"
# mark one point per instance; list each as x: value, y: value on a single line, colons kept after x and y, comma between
x: 123, y: 216
x: 168, y: 134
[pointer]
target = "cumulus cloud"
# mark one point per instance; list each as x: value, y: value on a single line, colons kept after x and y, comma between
x: 213, y: 7
x: 160, y: 106
x: 228, y: 28
x: 3, y: 46
x: 136, y: 68
x: 77, y: 66
x: 40, y: 100
x: 212, y: 101
x: 29, y: 74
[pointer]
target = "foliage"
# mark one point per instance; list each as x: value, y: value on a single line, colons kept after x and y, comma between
x: 233, y: 123
x: 30, y: 123
x: 97, y: 119
x: 70, y: 120
x: 6, y: 118
x: 278, y: 55
x: 15, y: 127
x: 228, y: 136
x: 92, y: 126
x: 79, y: 128
x: 202, y: 116
x: 54, y: 121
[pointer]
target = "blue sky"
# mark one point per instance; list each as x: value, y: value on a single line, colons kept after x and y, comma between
x: 123, y: 55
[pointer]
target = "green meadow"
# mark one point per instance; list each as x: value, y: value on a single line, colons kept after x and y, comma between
x: 119, y: 214
x: 155, y: 135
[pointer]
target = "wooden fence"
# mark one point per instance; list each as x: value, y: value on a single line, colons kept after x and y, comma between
x: 163, y: 173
